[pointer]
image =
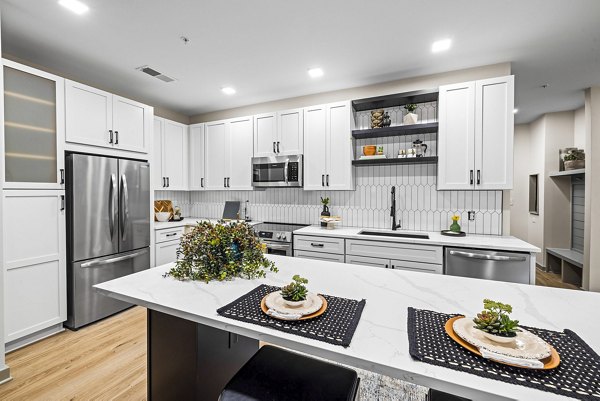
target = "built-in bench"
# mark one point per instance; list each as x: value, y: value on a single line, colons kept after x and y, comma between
x: 566, y: 262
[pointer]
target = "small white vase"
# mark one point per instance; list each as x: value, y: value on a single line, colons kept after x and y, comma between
x: 410, y: 118
x: 294, y: 304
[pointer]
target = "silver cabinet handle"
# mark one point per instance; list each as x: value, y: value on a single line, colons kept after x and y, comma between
x: 124, y: 207
x: 62, y: 175
x: 62, y: 203
x: 277, y: 147
x: 472, y: 255
x: 471, y: 177
x: 110, y: 136
x: 112, y: 260
x: 478, y: 177
x: 327, y: 179
x: 317, y: 245
x: 274, y: 151
x: 322, y: 180
x: 111, y: 204
x: 285, y: 170
x: 116, y: 137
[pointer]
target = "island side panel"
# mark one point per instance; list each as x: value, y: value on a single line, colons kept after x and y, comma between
x: 191, y: 361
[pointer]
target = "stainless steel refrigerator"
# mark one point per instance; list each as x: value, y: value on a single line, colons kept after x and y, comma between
x: 108, y: 230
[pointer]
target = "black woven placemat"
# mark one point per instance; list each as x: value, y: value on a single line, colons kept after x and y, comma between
x: 577, y: 376
x: 335, y: 326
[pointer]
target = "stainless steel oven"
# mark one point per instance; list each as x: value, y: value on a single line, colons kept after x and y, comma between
x: 279, y: 248
x: 277, y: 236
x: 277, y: 171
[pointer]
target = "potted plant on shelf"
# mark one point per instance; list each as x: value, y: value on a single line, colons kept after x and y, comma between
x: 220, y: 252
x: 325, y: 212
x: 294, y: 294
x: 575, y: 159
x: 495, y: 323
x: 411, y: 117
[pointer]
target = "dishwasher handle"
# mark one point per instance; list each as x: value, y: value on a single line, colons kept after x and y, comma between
x: 472, y: 255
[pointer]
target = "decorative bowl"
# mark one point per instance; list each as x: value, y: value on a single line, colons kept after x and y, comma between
x: 162, y: 216
x: 499, y: 339
x: 294, y: 304
x: 369, y: 150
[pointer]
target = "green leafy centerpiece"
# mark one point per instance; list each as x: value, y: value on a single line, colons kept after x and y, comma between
x: 220, y: 252
x: 294, y: 294
x: 495, y: 323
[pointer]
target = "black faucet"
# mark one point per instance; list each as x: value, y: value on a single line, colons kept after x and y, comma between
x: 393, y: 211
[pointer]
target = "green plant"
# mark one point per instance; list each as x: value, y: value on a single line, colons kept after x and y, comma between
x: 220, y: 252
x: 324, y: 201
x: 575, y: 155
x: 295, y: 291
x: 494, y: 319
x: 410, y: 107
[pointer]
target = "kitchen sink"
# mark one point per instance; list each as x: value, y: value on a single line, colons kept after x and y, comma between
x: 394, y: 234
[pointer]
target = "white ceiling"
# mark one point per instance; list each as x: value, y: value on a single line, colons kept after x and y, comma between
x: 264, y: 47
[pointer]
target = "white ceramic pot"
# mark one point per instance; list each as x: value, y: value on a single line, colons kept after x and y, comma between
x: 162, y: 216
x: 411, y: 118
x: 499, y: 339
x: 574, y: 164
x: 294, y: 304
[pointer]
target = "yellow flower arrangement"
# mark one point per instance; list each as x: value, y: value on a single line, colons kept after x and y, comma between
x: 455, y: 217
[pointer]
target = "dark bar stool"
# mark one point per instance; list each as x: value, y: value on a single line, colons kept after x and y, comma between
x: 274, y: 374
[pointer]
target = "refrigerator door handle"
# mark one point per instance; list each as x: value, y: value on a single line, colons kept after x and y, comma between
x: 97, y: 262
x: 124, y: 207
x: 111, y: 204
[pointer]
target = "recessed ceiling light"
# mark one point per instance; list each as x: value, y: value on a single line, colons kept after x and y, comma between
x: 441, y: 45
x: 228, y: 90
x: 74, y: 5
x: 315, y: 72
x: 515, y: 110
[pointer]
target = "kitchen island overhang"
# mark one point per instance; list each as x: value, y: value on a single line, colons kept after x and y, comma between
x: 380, y: 343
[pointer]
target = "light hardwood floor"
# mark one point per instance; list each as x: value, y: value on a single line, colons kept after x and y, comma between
x: 104, y: 361
x: 549, y: 279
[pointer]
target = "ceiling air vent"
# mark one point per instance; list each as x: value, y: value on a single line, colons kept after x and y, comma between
x: 156, y: 74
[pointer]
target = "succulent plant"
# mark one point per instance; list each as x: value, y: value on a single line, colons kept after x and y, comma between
x: 295, y: 291
x: 494, y: 319
x: 410, y: 107
x: 325, y: 201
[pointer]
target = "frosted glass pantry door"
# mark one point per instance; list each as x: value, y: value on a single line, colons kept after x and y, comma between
x: 33, y: 128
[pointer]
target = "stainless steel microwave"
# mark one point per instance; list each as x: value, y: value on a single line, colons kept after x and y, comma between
x: 277, y: 171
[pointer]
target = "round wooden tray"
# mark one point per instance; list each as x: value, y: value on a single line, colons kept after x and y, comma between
x: 264, y: 308
x: 549, y: 363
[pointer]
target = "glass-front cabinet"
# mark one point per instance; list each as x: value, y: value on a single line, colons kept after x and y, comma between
x: 34, y: 128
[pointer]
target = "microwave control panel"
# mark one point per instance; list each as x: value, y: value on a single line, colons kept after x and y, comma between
x: 293, y: 171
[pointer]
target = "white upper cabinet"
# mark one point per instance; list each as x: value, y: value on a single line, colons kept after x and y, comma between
x: 328, y: 147
x: 197, y: 157
x: 217, y: 155
x: 34, y: 128
x: 240, y: 154
x: 171, y: 148
x: 98, y: 118
x: 279, y: 133
x: 476, y: 132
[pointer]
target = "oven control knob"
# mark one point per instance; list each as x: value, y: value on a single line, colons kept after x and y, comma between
x: 278, y: 236
x: 283, y: 236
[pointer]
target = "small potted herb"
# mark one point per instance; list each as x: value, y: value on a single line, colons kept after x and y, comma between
x: 411, y: 117
x: 294, y: 294
x: 495, y: 323
x: 575, y: 159
x: 325, y: 212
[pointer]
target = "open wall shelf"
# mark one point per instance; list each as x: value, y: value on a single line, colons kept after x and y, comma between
x: 407, y: 160
x: 395, y: 131
x: 567, y: 173
x: 398, y: 99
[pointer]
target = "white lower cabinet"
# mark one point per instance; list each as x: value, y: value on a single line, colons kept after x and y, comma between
x: 319, y: 248
x: 167, y: 242
x: 34, y: 258
x: 330, y: 257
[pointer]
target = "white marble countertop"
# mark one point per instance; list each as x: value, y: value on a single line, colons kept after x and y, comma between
x: 188, y: 221
x: 506, y: 243
x: 380, y: 343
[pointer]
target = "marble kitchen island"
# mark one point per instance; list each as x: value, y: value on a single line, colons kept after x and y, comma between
x: 380, y: 343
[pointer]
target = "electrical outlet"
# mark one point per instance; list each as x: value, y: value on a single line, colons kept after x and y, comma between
x: 471, y: 215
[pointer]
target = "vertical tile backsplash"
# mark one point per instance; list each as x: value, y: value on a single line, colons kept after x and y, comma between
x: 419, y: 205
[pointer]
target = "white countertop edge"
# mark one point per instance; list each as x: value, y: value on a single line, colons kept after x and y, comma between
x: 507, y: 243
x: 188, y: 221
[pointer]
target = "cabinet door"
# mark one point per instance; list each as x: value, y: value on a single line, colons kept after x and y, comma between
x: 315, y: 153
x: 240, y: 154
x: 494, y: 133
x: 340, y: 173
x: 456, y: 136
x: 175, y: 166
x: 34, y: 128
x: 290, y: 128
x: 265, y: 135
x: 375, y: 262
x: 197, y: 157
x: 329, y: 257
x: 88, y: 113
x: 216, y: 160
x: 129, y: 124
x: 34, y: 259
x: 165, y: 252
x: 417, y: 267
x: 158, y: 177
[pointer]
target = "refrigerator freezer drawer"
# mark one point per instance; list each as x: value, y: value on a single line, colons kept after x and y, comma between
x: 490, y: 265
x: 85, y: 305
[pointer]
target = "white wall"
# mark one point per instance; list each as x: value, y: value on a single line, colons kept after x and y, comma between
x: 535, y: 223
x: 591, y: 268
x: 579, y: 129
x: 519, y: 195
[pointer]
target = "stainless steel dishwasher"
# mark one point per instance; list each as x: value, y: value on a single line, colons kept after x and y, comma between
x: 490, y: 265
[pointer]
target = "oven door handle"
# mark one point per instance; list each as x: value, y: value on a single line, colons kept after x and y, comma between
x: 285, y: 170
x: 273, y: 245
